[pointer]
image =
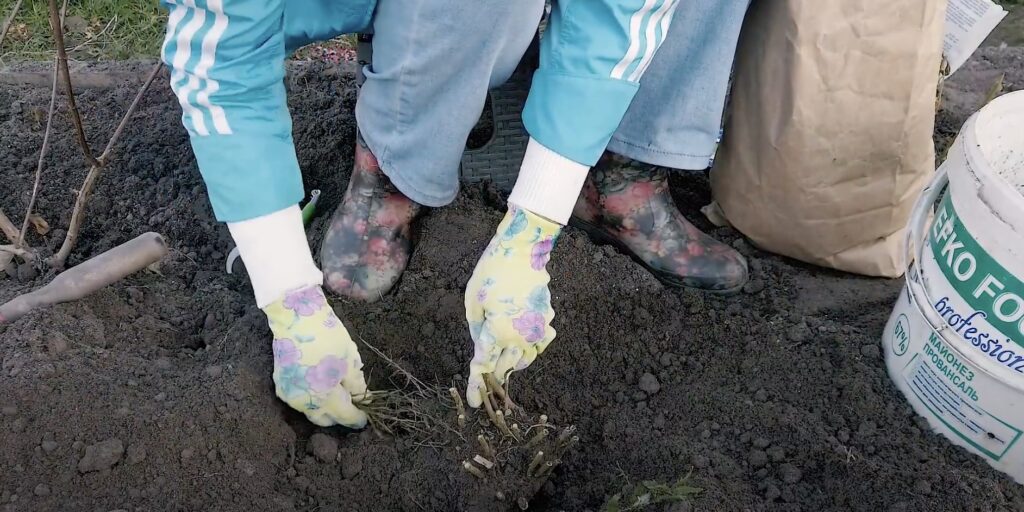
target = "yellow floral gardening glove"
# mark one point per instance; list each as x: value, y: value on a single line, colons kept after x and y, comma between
x: 508, y: 304
x: 317, y: 369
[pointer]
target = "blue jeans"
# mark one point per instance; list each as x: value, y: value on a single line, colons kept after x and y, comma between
x: 675, y: 119
x: 434, y: 61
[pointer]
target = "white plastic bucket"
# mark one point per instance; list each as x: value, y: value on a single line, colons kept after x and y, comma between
x: 954, y: 344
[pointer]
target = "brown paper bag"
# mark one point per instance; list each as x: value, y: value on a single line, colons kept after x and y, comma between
x: 829, y: 139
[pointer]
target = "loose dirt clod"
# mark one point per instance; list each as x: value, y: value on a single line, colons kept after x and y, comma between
x: 323, y: 447
x: 100, y: 456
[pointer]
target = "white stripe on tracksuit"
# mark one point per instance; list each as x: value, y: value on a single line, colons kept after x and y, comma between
x: 187, y: 81
x: 644, y: 32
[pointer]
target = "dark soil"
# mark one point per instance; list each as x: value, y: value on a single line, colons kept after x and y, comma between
x: 155, y: 393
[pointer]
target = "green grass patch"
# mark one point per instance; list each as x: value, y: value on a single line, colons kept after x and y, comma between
x: 94, y: 30
x: 104, y: 30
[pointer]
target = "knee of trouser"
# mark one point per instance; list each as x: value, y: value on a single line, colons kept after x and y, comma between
x: 310, y: 21
x: 521, y: 29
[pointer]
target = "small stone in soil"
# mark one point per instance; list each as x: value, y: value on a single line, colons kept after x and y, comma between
x: 776, y: 454
x: 27, y: 272
x: 923, y: 487
x: 700, y: 461
x: 187, y: 453
x: 214, y: 371
x: 57, y: 344
x: 42, y: 490
x: 136, y: 453
x: 101, y: 456
x: 49, y: 446
x: 799, y: 333
x: 649, y: 383
x: 758, y: 458
x: 323, y: 447
x: 790, y: 473
x: 351, y: 467
x: 870, y: 351
x: 754, y: 286
x: 761, y: 443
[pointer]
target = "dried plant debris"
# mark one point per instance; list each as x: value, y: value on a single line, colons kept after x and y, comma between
x: 650, y: 492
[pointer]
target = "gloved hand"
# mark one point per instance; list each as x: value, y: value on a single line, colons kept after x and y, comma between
x: 508, y: 304
x: 317, y: 369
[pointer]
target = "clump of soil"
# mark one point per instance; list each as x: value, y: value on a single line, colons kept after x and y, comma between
x: 155, y: 393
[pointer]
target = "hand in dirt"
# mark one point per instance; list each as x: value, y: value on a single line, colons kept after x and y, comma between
x: 317, y: 368
x: 508, y: 304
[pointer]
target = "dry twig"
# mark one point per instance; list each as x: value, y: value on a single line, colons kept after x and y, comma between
x: 39, y: 167
x: 8, y: 228
x: 57, y: 25
x: 77, y: 215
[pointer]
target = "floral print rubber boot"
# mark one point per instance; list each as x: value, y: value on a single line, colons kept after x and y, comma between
x: 628, y: 204
x: 368, y: 242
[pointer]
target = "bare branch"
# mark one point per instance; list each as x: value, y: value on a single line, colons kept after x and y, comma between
x: 8, y: 228
x: 105, y: 157
x: 8, y: 21
x: 57, y: 24
x: 59, y: 259
x: 42, y: 158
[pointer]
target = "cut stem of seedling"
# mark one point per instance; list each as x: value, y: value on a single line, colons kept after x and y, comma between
x: 516, y: 433
x: 479, y: 459
x: 473, y: 470
x: 457, y: 398
x: 462, y: 421
x: 499, y: 391
x: 537, y: 438
x: 566, y: 434
x: 549, y: 466
x: 487, y: 405
x: 543, y: 420
x: 537, y: 461
x: 563, y: 447
x: 485, y: 447
x: 502, y: 426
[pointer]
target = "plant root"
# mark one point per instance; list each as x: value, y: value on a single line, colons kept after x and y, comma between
x: 406, y: 408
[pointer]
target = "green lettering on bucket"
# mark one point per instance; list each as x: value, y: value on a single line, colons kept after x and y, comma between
x: 977, y: 277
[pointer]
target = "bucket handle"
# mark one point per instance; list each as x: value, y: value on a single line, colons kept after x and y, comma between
x: 914, y: 243
x: 913, y: 251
